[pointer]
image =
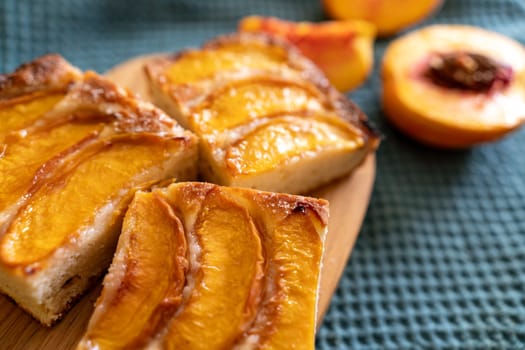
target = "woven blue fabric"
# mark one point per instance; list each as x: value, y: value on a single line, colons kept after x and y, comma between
x: 440, y: 262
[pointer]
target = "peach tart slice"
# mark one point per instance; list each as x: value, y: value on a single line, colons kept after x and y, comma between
x: 75, y: 148
x: 454, y: 86
x: 199, y: 266
x: 266, y: 116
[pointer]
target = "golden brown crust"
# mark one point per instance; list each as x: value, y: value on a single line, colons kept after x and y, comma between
x: 89, y: 91
x: 129, y: 113
x: 49, y: 72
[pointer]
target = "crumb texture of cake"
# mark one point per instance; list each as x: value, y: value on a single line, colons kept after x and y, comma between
x: 266, y: 116
x: 74, y: 149
x: 201, y: 266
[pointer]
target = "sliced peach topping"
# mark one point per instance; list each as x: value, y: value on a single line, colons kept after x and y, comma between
x: 229, y: 277
x: 343, y: 50
x: 192, y: 66
x: 454, y: 86
x: 25, y: 160
x: 294, y: 249
x: 246, y: 100
x: 23, y: 111
x: 144, y: 286
x: 117, y: 163
x: 286, y: 138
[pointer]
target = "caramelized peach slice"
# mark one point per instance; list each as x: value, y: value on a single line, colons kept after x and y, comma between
x: 390, y: 16
x: 193, y: 66
x: 226, y: 280
x: 145, y: 282
x: 454, y: 86
x: 240, y: 102
x: 342, y: 49
x: 109, y: 167
x: 286, y: 138
x: 23, y: 111
x: 294, y: 250
x: 24, y: 157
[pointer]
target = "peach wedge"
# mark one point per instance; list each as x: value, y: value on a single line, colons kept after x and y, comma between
x: 454, y: 86
x: 343, y: 50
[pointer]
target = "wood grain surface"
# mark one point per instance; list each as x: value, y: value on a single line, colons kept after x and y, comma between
x: 348, y: 199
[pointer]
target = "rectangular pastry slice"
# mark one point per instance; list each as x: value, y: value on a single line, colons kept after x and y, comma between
x: 200, y: 266
x: 266, y: 116
x: 74, y: 149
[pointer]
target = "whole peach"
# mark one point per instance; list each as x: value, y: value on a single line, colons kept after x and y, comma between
x: 390, y: 16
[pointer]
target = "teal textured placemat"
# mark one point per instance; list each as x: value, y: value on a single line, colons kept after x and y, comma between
x: 440, y: 262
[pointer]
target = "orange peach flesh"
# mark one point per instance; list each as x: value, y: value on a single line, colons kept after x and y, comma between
x: 239, y: 103
x: 295, y: 247
x: 295, y: 258
x: 230, y: 271
x: 287, y: 138
x: 389, y: 16
x: 342, y: 50
x: 252, y: 270
x: 115, y: 161
x: 23, y: 111
x: 150, y: 285
x: 193, y: 66
x: 447, y: 117
x: 311, y: 127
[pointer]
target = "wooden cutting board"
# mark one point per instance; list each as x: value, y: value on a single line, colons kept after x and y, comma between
x: 348, y: 199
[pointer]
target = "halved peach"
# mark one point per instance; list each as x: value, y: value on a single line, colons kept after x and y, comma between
x: 454, y: 86
x: 343, y: 50
x: 26, y: 158
x: 389, y: 16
